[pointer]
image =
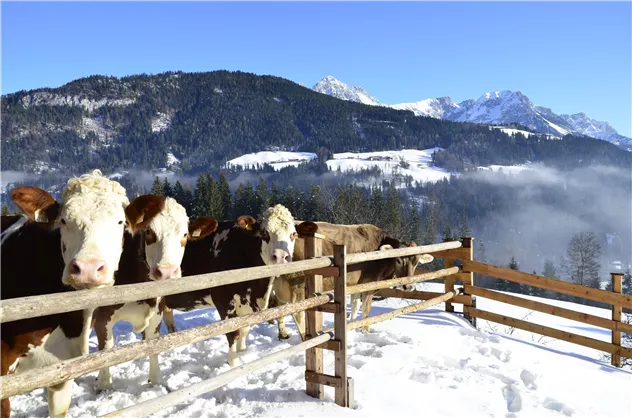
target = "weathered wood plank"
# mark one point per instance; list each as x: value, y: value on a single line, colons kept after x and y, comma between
x: 34, y: 306
x: 555, y: 285
x: 165, y: 401
x: 314, y: 320
x: 420, y: 295
x: 70, y: 369
x: 384, y: 284
x: 400, y: 252
x: 617, y: 286
x: 340, y: 326
x: 549, y: 309
x: 402, y: 311
x: 323, y: 379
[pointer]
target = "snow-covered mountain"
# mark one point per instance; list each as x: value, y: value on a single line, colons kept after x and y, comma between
x: 493, y: 108
x: 336, y: 88
x: 435, y: 108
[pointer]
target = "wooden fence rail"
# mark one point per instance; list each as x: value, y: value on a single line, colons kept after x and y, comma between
x: 70, y: 369
x: 554, y: 285
x: 182, y: 395
x: 558, y: 311
x: 550, y: 332
x: 34, y: 306
x: 356, y: 258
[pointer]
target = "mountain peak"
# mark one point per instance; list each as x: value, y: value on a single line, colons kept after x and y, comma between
x: 331, y: 86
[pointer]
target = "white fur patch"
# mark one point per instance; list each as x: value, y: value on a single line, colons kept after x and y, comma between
x: 92, y: 221
x: 218, y: 239
x: 170, y: 226
x: 278, y: 222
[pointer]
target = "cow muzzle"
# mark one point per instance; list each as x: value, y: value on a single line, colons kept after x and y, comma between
x: 86, y: 274
x: 281, y: 257
x: 166, y: 272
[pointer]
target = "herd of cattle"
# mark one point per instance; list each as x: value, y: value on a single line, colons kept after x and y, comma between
x: 94, y: 237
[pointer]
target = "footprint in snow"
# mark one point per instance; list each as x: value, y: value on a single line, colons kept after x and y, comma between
x: 513, y: 398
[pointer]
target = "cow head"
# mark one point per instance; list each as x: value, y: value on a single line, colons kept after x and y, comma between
x: 277, y: 232
x: 164, y: 225
x: 404, y: 266
x: 91, y: 218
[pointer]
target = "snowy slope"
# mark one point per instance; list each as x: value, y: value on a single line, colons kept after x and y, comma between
x: 336, y: 88
x: 435, y: 108
x: 277, y: 159
x: 431, y: 361
x: 409, y: 162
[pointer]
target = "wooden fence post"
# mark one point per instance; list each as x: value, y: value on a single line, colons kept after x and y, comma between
x: 343, y: 397
x: 617, y: 287
x: 468, y: 277
x: 449, y: 280
x: 313, y: 318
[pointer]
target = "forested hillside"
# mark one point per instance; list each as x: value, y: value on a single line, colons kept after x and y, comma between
x: 204, y: 119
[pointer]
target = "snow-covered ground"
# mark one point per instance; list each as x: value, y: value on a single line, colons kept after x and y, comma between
x: 429, y: 361
x: 277, y: 159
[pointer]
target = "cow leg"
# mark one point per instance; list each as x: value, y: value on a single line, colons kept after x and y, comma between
x: 233, y: 357
x: 299, y: 320
x: 170, y: 321
x: 153, y: 331
x: 243, y: 335
x: 59, y: 397
x: 367, y: 300
x: 8, y: 363
x: 283, y: 334
x: 106, y: 341
x: 355, y: 306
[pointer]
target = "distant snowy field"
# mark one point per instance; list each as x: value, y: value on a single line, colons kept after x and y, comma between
x: 409, y: 162
x: 430, y: 361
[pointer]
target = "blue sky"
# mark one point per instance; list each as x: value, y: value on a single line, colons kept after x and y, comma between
x: 571, y: 57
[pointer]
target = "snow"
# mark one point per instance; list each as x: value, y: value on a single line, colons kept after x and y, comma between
x: 557, y: 127
x: 336, y: 88
x: 171, y: 159
x: 277, y: 159
x: 390, y: 162
x: 161, y: 122
x: 430, y: 360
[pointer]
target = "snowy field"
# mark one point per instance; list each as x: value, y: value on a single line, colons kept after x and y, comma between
x: 409, y: 162
x: 430, y: 363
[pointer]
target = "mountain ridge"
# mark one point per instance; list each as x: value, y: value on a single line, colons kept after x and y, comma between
x: 497, y: 108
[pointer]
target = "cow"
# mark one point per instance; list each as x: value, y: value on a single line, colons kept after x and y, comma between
x: 218, y: 246
x: 357, y: 238
x: 58, y: 247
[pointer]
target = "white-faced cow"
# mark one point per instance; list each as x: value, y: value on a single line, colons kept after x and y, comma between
x: 60, y: 247
x: 218, y: 246
x: 357, y: 238
x: 161, y: 233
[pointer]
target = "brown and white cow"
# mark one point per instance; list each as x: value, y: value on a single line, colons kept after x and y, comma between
x: 218, y: 246
x: 34, y: 262
x: 155, y: 253
x: 357, y: 238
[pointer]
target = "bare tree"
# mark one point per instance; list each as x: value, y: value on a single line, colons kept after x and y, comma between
x: 581, y: 263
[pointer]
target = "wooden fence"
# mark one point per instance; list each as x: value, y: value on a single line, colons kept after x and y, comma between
x: 316, y: 341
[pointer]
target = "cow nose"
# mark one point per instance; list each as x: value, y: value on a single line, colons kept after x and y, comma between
x: 87, y: 273
x: 166, y: 272
x: 281, y: 257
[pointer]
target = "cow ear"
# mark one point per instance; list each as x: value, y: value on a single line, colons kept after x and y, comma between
x: 142, y: 210
x: 248, y: 223
x: 306, y: 228
x: 202, y: 227
x: 37, y: 204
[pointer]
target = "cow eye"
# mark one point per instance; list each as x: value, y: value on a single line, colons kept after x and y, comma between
x: 63, y: 221
x: 120, y: 223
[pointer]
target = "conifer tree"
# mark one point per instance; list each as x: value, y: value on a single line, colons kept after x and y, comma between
x: 262, y: 198
x: 226, y: 197
x: 465, y: 229
x: 216, y: 209
x: 316, y: 206
x: 377, y: 207
x: 157, y: 188
x: 274, y: 194
x: 414, y: 224
x: 392, y: 215
x: 167, y: 191
x: 187, y: 200
x: 5, y: 209
x: 178, y: 192
x: 200, y: 204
